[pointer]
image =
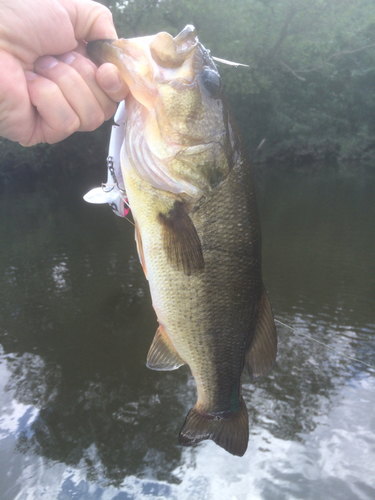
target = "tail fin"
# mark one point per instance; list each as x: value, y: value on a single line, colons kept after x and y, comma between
x: 230, y: 432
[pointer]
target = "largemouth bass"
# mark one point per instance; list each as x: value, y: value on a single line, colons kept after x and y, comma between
x: 191, y: 193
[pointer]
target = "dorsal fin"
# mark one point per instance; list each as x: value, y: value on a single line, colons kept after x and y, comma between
x: 181, y: 241
x: 262, y: 352
x: 162, y: 355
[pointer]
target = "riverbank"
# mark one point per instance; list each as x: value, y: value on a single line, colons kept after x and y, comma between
x: 84, y: 155
x: 80, y: 155
x: 307, y: 155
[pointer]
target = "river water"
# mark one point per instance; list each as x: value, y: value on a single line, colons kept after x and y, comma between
x: 83, y: 418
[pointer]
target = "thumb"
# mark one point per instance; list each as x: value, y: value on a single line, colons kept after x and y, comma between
x: 91, y: 20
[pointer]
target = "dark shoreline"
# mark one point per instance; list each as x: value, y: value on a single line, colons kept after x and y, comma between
x: 85, y: 157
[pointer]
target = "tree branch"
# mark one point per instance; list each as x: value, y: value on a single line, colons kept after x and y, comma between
x: 292, y: 71
x: 338, y: 54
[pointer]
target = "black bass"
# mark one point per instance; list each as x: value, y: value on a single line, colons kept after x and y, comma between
x: 189, y: 185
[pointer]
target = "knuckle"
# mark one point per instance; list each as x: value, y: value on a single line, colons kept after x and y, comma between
x: 70, y: 125
x: 88, y: 71
x: 93, y: 120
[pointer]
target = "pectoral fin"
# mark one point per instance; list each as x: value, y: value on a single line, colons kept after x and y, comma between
x: 262, y: 352
x: 181, y: 241
x: 162, y: 355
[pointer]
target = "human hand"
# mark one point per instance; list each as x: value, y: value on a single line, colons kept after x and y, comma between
x: 45, y: 98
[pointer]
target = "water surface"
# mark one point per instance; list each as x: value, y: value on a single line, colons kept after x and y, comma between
x: 83, y: 418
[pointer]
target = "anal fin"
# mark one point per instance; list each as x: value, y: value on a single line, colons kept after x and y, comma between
x: 162, y: 355
x: 181, y: 241
x: 261, y: 355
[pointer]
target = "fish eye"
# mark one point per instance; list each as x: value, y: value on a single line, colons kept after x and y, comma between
x: 211, y: 81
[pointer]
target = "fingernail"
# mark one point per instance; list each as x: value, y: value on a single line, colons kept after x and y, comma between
x: 46, y: 62
x: 111, y: 81
x: 67, y: 58
x: 30, y: 75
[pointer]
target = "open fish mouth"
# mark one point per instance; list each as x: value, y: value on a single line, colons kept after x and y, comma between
x: 171, y: 52
x: 167, y: 51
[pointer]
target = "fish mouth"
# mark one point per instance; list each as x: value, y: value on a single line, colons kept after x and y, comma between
x: 96, y: 50
x: 169, y: 52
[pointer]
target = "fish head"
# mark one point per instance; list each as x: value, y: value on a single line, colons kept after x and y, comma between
x: 176, y: 112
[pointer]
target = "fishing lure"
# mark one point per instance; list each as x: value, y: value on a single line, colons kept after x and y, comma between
x: 113, y: 191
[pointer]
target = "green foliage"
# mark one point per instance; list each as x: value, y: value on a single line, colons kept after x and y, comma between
x: 311, y: 75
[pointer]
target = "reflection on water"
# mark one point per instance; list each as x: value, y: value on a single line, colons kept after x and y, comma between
x: 83, y: 418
